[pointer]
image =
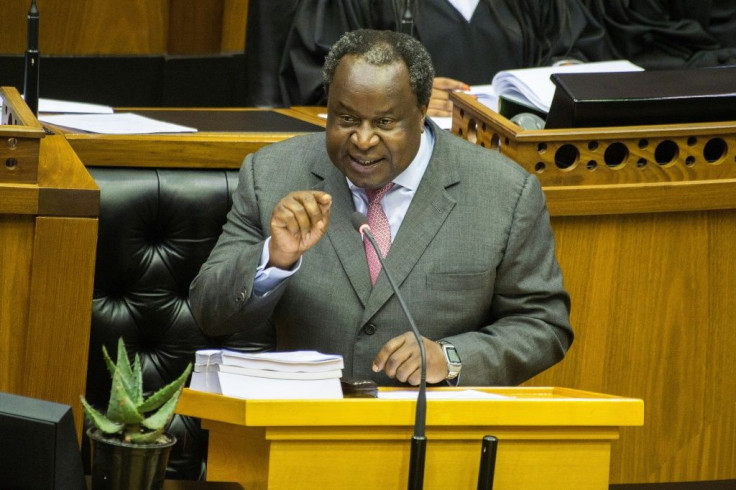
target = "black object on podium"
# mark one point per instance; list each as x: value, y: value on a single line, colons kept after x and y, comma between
x: 30, y: 86
x: 487, y: 468
x: 643, y: 97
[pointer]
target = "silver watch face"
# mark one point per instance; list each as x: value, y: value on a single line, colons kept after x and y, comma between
x: 452, y: 356
x: 454, y: 365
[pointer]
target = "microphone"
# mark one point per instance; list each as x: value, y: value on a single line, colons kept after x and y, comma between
x: 487, y: 468
x: 407, y: 20
x: 418, y: 440
x: 527, y: 120
x: 30, y: 90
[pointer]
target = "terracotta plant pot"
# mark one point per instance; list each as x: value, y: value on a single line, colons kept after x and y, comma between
x: 118, y: 465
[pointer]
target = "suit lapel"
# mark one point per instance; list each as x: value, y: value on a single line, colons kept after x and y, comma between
x: 341, y: 234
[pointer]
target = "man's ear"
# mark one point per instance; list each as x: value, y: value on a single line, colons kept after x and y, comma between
x: 423, y: 110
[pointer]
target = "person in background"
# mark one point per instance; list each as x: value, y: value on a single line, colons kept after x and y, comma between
x: 469, y: 40
x: 669, y: 34
x: 465, y: 232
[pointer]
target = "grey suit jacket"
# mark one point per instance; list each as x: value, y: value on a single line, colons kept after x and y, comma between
x: 474, y: 258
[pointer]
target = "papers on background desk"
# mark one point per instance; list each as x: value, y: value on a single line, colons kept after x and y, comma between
x: 119, y: 123
x: 533, y: 87
x: 441, y: 395
x: 69, y: 107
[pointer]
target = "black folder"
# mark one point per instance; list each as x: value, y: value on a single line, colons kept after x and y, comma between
x: 643, y: 98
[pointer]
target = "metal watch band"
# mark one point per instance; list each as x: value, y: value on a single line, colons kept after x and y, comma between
x: 453, y: 366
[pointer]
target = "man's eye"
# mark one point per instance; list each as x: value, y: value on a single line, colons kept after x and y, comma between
x: 347, y: 119
x: 385, y: 123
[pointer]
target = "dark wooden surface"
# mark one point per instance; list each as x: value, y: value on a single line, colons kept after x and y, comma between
x: 192, y: 485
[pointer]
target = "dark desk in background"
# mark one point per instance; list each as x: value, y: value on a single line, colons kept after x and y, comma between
x: 223, y: 139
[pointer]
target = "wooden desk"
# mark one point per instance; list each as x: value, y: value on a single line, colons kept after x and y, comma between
x: 551, y: 438
x: 204, y: 149
x: 48, y: 237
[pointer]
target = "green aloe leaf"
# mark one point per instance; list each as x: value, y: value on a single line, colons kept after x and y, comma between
x: 123, y: 368
x: 108, y: 361
x: 99, y: 420
x: 165, y: 393
x: 160, y: 419
x: 144, y: 437
x: 136, y: 393
x: 121, y: 407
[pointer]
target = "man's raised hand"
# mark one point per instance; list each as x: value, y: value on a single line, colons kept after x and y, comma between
x: 298, y: 222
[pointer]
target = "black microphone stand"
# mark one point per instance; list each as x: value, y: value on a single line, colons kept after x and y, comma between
x: 418, y: 440
x: 30, y: 89
x: 407, y: 20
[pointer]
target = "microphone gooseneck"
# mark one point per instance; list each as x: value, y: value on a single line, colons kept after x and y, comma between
x: 30, y: 83
x: 419, y: 441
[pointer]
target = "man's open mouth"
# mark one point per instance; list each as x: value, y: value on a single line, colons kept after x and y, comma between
x: 365, y: 162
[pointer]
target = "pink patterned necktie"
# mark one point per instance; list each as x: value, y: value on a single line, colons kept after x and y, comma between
x: 380, y: 229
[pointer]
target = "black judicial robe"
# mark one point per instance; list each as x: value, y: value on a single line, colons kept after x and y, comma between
x: 502, y: 34
x: 661, y: 34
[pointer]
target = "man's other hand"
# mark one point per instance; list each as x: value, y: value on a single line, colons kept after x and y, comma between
x: 439, y: 103
x: 400, y: 359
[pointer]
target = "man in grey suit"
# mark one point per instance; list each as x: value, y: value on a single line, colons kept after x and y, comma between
x: 470, y: 241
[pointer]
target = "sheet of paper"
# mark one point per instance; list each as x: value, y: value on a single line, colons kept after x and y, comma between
x: 441, y: 395
x: 119, y: 123
x: 69, y: 107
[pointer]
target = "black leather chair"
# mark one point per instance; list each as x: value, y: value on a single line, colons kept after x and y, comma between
x: 156, y: 228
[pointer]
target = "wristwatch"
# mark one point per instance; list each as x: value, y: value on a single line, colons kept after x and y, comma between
x: 454, y: 365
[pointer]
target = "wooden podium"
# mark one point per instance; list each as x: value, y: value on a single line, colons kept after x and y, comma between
x: 551, y: 438
x: 48, y: 233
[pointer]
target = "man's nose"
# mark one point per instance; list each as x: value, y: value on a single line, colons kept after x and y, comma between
x: 364, y: 137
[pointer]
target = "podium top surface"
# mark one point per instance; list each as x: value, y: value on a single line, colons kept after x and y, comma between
x: 523, y: 406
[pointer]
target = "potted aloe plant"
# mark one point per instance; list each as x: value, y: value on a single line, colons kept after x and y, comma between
x: 130, y: 445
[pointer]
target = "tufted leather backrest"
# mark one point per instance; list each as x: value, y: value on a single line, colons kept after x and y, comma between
x: 156, y: 228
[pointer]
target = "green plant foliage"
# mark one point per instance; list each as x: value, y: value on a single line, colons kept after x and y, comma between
x: 136, y: 420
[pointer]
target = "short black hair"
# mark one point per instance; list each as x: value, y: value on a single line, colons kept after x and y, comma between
x: 384, y: 48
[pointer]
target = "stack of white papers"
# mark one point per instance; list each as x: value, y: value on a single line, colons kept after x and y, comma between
x: 268, y: 375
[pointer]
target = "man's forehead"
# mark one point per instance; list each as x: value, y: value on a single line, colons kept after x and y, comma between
x: 357, y: 61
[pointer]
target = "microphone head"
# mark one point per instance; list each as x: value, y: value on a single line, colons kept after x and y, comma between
x: 358, y: 219
x: 360, y: 223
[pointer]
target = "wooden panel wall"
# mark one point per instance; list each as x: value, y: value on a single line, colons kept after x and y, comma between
x: 653, y: 313
x: 131, y: 27
x: 647, y: 254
